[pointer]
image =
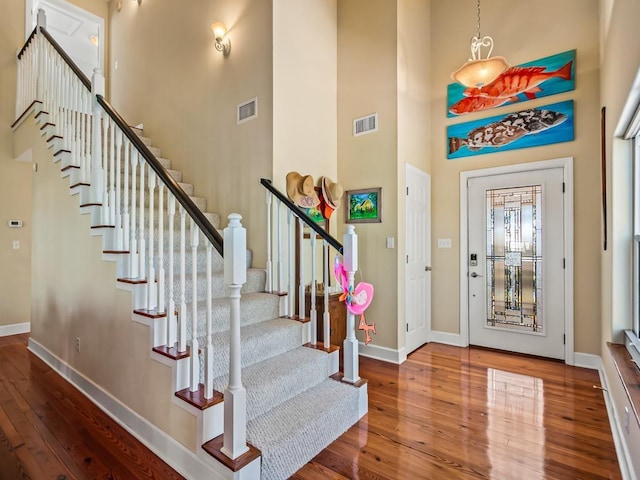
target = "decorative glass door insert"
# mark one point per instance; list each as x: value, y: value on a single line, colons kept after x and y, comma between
x: 514, y: 259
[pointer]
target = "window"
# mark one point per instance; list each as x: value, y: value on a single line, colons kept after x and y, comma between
x: 632, y: 335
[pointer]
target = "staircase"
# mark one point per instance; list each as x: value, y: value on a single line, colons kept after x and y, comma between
x: 294, y: 408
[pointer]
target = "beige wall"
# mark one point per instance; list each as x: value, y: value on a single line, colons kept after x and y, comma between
x: 414, y: 117
x: 114, y: 351
x: 15, y: 179
x: 367, y: 83
x: 171, y: 78
x: 522, y: 34
x: 304, y: 89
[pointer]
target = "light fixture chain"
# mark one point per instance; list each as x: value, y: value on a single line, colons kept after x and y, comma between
x: 479, y: 37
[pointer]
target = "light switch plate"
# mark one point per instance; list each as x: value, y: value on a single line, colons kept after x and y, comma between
x: 444, y: 243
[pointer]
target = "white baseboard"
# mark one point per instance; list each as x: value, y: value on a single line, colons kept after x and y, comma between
x: 446, y: 338
x: 15, y: 329
x: 181, y: 459
x: 383, y: 353
x: 588, y: 360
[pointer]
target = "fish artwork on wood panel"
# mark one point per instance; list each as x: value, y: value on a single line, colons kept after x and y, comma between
x: 540, y: 78
x: 527, y: 128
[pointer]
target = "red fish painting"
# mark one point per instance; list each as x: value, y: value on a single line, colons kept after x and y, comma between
x: 477, y: 104
x: 515, y: 80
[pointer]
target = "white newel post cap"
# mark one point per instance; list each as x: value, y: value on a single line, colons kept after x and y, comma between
x: 235, y: 251
x: 97, y: 82
x: 41, y: 18
x: 350, y: 249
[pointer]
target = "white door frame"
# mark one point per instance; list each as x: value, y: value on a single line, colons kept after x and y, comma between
x: 566, y: 164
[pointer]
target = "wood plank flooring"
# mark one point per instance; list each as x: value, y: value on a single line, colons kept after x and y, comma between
x: 446, y: 413
x: 453, y: 413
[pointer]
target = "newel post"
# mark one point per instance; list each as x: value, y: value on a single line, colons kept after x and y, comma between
x: 235, y: 395
x: 350, y: 345
x: 97, y: 173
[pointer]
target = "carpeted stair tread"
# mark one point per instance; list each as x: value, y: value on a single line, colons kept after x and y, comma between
x: 254, y: 308
x: 297, y: 430
x: 260, y: 342
x: 277, y: 379
x: 256, y: 280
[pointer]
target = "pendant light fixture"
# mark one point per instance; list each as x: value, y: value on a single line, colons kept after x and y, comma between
x: 478, y: 71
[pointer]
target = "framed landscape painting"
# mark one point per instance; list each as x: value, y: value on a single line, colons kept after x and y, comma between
x: 527, y: 128
x: 364, y: 206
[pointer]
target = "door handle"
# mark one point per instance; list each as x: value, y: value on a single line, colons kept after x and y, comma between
x: 427, y: 269
x: 475, y: 275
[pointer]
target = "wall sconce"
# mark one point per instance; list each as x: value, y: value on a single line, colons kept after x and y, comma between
x: 223, y: 44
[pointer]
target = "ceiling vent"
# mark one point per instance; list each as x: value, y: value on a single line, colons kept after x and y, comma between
x: 248, y: 110
x: 364, y: 125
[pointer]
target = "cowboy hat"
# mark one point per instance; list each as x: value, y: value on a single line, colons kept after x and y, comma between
x: 300, y: 190
x: 332, y: 193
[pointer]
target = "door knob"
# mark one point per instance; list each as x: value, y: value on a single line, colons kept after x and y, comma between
x: 475, y: 275
x: 427, y: 269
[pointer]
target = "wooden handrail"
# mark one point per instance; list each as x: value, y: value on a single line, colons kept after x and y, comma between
x: 194, y: 212
x: 26, y: 44
x: 300, y: 214
x: 83, y: 78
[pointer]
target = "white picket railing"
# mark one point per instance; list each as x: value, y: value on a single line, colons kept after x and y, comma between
x: 133, y: 199
x: 285, y: 219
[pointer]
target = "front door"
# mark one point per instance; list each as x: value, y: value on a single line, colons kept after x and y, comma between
x: 515, y: 262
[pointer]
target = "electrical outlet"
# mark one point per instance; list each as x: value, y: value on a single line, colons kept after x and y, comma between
x: 626, y: 419
x: 16, y: 244
x: 78, y: 344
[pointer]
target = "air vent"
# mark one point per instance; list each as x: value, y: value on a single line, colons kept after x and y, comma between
x: 248, y: 110
x: 364, y: 125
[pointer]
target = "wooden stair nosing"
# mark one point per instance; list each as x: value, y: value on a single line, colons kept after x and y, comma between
x: 26, y: 110
x: 214, y: 448
x: 81, y: 184
x: 172, y: 352
x: 116, y: 252
x: 133, y: 281
x: 197, y: 399
x: 320, y: 346
x: 103, y: 226
x: 339, y: 377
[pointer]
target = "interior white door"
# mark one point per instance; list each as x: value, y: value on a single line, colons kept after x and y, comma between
x: 79, y: 32
x: 418, y: 257
x: 516, y: 261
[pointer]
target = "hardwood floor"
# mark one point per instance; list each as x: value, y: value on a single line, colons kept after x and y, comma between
x: 446, y: 413
x: 452, y: 413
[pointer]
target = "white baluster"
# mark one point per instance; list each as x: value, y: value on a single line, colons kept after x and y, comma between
x: 279, y: 245
x: 105, y: 168
x: 269, y: 219
x: 161, y: 278
x: 288, y: 304
x: 235, y: 395
x: 151, y: 272
x: 133, y: 255
x: 97, y: 172
x: 72, y: 108
x: 119, y: 244
x: 142, y: 246
x: 41, y: 23
x: 171, y: 315
x: 208, y: 352
x: 126, y: 226
x: 112, y: 173
x: 301, y: 305
x: 312, y: 312
x: 194, y: 357
x: 87, y: 138
x: 326, y: 319
x: 350, y: 255
x: 182, y: 312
